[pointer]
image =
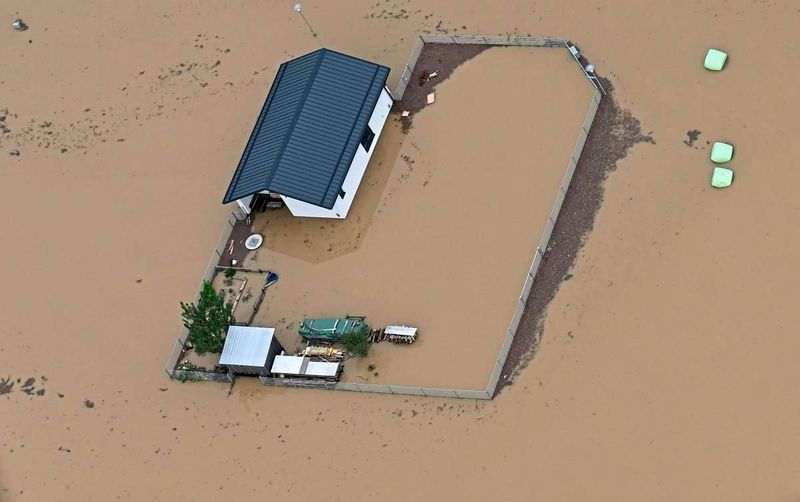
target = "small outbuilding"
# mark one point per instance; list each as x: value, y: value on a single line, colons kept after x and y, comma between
x: 250, y: 350
x: 314, y: 136
x: 305, y: 367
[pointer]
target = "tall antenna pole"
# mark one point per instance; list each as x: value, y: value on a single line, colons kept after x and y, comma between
x: 299, y: 9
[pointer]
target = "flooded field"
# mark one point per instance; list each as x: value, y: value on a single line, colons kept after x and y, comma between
x: 667, y: 368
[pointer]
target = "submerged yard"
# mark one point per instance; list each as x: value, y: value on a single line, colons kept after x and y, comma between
x: 443, y: 228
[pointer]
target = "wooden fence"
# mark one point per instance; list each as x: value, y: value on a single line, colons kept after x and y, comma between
x: 376, y: 388
x: 183, y: 335
x: 544, y: 241
x: 500, y: 40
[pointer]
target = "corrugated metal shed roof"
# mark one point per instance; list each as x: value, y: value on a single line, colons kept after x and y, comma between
x: 246, y: 346
x: 290, y: 365
x: 322, y: 369
x: 400, y: 330
x: 309, y: 128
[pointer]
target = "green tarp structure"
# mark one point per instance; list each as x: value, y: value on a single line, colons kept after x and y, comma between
x: 332, y: 330
x: 715, y: 60
x: 721, y: 152
x: 722, y: 177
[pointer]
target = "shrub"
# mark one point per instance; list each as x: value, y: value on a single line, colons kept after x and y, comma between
x: 356, y: 344
x: 207, y: 321
x: 187, y: 376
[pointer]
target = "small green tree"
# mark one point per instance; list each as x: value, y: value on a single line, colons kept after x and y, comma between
x: 207, y: 321
x: 356, y: 343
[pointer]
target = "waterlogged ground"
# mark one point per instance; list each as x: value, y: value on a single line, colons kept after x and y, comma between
x: 666, y: 369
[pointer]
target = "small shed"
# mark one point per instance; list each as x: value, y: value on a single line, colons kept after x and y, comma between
x: 250, y: 350
x: 299, y: 366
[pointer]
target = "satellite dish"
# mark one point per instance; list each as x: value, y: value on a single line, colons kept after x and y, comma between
x: 297, y: 7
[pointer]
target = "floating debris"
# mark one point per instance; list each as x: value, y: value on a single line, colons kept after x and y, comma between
x: 722, y: 177
x: 721, y: 152
x: 692, y: 136
x: 715, y: 60
x: 19, y: 25
x: 6, y: 385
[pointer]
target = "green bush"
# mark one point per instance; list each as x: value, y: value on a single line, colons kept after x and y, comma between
x: 207, y: 321
x: 356, y: 344
x: 187, y: 376
x: 229, y: 273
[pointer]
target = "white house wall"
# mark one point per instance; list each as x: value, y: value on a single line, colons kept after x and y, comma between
x: 357, y: 169
x: 244, y: 204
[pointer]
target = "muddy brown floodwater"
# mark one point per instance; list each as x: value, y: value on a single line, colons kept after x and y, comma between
x: 667, y: 367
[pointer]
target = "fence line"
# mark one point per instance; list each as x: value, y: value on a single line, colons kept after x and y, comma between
x: 200, y: 376
x: 544, y: 242
x: 408, y: 69
x: 436, y: 38
x: 375, y: 388
x: 211, y: 269
x: 494, y: 378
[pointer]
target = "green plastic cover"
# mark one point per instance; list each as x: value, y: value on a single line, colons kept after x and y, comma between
x: 722, y: 177
x: 332, y: 330
x: 715, y: 60
x: 721, y: 152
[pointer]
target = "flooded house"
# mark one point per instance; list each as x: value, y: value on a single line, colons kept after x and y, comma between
x: 314, y: 137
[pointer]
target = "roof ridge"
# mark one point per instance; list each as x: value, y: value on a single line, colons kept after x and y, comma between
x: 312, y: 78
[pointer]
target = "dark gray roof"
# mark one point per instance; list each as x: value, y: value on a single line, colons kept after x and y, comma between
x: 309, y: 128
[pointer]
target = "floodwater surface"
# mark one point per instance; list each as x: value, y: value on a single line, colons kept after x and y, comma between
x: 668, y: 366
